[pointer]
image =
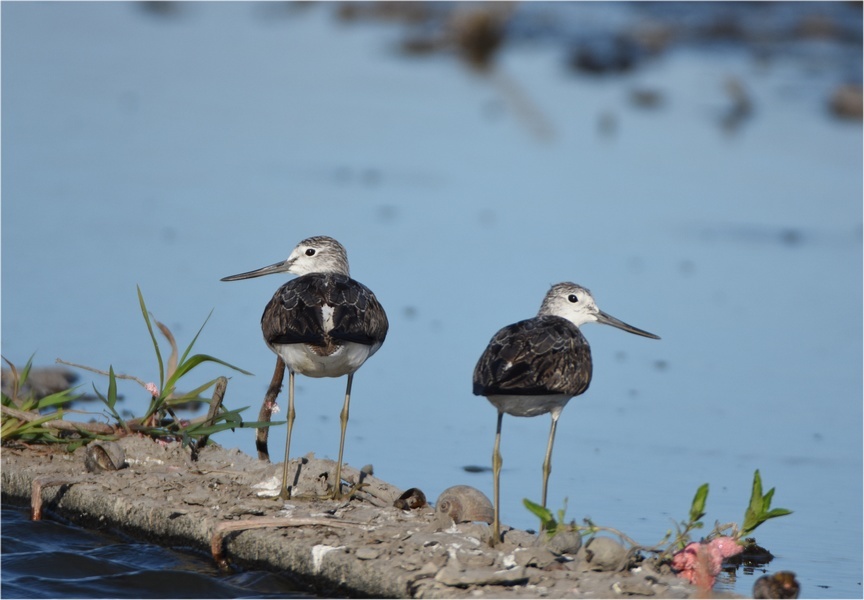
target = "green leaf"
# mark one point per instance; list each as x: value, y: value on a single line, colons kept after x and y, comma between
x: 192, y: 343
x: 152, y: 337
x: 697, y: 508
x: 35, y: 423
x: 766, y: 501
x: 756, y: 494
x: 25, y: 372
x: 61, y: 397
x: 758, y: 510
x: 260, y: 424
x: 193, y: 362
x: 112, y: 387
x: 543, y: 513
x: 777, y: 512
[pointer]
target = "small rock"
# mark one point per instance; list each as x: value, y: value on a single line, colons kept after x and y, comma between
x: 367, y: 553
x: 517, y: 537
x: 534, y: 557
x: 565, y: 542
x: 604, y: 554
x: 455, y: 577
x: 633, y: 588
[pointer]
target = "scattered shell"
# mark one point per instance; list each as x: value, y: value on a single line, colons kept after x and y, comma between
x: 104, y: 456
x: 411, y: 499
x: 465, y: 504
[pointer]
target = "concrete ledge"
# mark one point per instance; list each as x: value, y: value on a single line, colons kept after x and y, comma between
x: 364, y: 547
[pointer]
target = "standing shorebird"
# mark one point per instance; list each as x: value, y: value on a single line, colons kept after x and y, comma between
x: 536, y: 366
x: 321, y: 324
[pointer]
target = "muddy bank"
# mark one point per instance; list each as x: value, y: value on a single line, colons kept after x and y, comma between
x: 362, y: 547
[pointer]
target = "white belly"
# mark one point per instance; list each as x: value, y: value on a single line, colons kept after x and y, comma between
x: 529, y: 406
x: 300, y: 358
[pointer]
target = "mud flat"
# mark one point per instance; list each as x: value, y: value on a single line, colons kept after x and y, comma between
x: 224, y: 503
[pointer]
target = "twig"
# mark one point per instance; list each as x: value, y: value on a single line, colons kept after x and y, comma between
x: 215, y: 404
x: 216, y: 541
x: 105, y: 373
x: 39, y: 483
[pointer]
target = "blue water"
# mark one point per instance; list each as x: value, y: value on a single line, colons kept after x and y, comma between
x: 168, y: 150
x: 47, y: 559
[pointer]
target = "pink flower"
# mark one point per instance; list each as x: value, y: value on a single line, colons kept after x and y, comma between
x: 151, y: 387
x: 700, y: 563
x: 274, y: 408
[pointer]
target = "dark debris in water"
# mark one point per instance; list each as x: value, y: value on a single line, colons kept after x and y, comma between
x: 613, y: 39
x: 753, y: 555
x: 476, y: 469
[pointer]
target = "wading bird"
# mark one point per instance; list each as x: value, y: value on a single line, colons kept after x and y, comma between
x: 536, y: 366
x: 321, y: 324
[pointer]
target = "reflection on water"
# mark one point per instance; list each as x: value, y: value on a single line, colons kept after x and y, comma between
x: 46, y: 559
x: 698, y: 180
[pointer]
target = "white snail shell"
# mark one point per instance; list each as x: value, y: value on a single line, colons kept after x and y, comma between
x: 465, y: 504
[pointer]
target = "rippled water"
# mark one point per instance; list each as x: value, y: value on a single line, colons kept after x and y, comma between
x: 168, y: 149
x: 46, y: 559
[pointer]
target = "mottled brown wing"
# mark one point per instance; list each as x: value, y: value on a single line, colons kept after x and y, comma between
x: 293, y: 315
x: 358, y: 316
x: 540, y: 356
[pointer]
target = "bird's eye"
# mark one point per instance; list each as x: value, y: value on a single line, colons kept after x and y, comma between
x: 572, y: 298
x: 310, y: 251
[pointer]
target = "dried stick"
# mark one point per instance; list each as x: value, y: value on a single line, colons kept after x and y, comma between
x: 215, y: 404
x: 36, y: 492
x: 267, y: 409
x: 105, y: 373
x: 216, y: 541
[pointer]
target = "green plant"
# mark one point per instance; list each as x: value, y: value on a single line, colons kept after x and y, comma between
x: 548, y: 522
x: 697, y: 511
x: 23, y: 419
x: 162, y: 401
x: 160, y: 420
x: 759, y: 510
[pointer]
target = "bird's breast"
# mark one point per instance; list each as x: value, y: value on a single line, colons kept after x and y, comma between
x: 311, y: 360
x: 529, y: 406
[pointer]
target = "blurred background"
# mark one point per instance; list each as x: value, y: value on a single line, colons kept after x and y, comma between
x: 698, y: 166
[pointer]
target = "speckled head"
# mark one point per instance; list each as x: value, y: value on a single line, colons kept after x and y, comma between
x: 576, y: 304
x: 317, y: 254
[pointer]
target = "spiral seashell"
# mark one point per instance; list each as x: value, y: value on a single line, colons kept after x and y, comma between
x: 104, y: 456
x: 465, y: 504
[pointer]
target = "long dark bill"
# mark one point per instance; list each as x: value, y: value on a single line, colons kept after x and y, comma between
x: 602, y: 317
x: 279, y: 267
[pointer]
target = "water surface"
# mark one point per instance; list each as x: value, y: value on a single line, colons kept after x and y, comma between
x: 168, y: 150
